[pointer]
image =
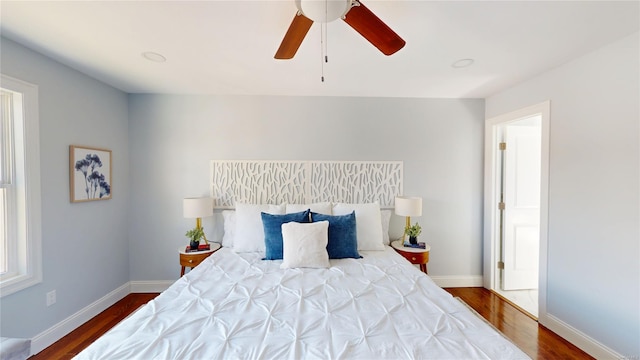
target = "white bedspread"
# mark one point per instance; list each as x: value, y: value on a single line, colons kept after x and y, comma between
x: 236, y: 306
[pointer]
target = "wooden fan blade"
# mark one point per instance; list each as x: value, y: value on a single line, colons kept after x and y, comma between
x: 373, y: 29
x: 294, y: 36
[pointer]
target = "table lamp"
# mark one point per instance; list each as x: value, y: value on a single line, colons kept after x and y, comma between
x: 408, y: 206
x: 198, y: 208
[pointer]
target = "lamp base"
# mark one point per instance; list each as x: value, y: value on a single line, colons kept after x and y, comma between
x: 407, y: 225
x: 199, y: 226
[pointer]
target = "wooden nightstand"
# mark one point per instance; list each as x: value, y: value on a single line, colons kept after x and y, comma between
x: 194, y: 258
x: 414, y: 255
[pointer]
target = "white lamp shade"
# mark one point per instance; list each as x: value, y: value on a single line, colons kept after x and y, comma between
x: 408, y: 206
x: 197, y: 207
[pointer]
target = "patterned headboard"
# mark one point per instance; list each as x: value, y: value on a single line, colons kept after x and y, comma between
x: 300, y: 182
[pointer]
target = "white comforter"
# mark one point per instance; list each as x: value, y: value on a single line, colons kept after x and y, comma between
x: 237, y: 306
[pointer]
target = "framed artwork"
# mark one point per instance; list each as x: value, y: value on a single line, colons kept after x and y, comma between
x: 89, y: 173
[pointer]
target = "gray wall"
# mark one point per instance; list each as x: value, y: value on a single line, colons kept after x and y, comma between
x: 173, y: 138
x: 594, y: 228
x: 84, y: 245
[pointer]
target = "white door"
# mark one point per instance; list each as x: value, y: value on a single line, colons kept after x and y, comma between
x: 522, y: 165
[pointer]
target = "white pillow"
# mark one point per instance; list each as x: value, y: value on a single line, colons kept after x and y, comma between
x: 321, y: 208
x: 249, y: 234
x: 385, y: 216
x: 368, y: 223
x: 305, y: 245
x: 229, y: 217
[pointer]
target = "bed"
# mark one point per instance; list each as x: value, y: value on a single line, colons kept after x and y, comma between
x: 314, y: 280
x: 239, y: 306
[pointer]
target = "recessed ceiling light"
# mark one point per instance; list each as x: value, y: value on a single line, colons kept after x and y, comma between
x: 462, y: 63
x: 153, y: 56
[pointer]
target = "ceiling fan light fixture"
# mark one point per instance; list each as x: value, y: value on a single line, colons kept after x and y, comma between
x: 323, y: 11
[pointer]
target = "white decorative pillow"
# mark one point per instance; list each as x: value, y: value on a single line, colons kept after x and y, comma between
x: 229, y: 217
x: 385, y: 216
x: 321, y: 208
x: 368, y: 223
x: 305, y: 245
x: 249, y: 234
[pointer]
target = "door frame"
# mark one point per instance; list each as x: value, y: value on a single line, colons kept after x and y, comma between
x: 491, y: 178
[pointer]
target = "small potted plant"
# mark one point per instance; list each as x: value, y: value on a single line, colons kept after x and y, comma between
x: 413, y: 232
x: 195, y: 235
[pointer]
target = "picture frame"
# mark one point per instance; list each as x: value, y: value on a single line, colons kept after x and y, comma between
x: 90, y: 172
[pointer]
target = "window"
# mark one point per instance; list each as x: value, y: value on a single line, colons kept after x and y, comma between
x: 20, y: 247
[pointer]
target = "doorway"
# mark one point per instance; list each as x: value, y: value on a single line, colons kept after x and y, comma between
x: 516, y: 193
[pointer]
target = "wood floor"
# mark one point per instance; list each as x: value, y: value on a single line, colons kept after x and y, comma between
x: 535, y: 340
x: 70, y: 345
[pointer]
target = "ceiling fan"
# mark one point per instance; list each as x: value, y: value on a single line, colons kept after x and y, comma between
x: 353, y: 12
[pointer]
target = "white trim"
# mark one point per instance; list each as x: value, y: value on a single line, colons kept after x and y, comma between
x: 64, y: 327
x: 457, y: 281
x: 544, y: 208
x: 578, y: 338
x: 490, y: 134
x: 32, y: 274
x: 490, y: 205
x: 150, y: 286
x: 59, y: 330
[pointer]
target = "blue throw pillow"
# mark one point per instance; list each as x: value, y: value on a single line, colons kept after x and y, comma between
x: 272, y: 225
x: 343, y: 239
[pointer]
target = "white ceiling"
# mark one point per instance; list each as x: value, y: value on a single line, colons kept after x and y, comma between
x: 227, y: 47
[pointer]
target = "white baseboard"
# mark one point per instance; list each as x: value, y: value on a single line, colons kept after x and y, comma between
x: 458, y: 281
x: 578, y: 338
x: 150, y: 286
x: 59, y: 330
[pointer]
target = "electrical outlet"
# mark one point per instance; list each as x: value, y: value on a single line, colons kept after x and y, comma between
x: 51, y: 297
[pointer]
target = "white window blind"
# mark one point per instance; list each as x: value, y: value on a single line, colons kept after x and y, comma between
x: 6, y: 181
x: 6, y: 137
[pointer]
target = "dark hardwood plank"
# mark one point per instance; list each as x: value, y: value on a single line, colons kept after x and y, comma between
x: 534, y: 339
x: 74, y: 342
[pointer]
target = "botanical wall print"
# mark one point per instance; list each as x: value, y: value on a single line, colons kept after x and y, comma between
x: 89, y: 173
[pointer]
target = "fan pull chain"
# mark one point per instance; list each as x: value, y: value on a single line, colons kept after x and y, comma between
x: 326, y: 27
x: 322, y: 26
x: 323, y: 41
